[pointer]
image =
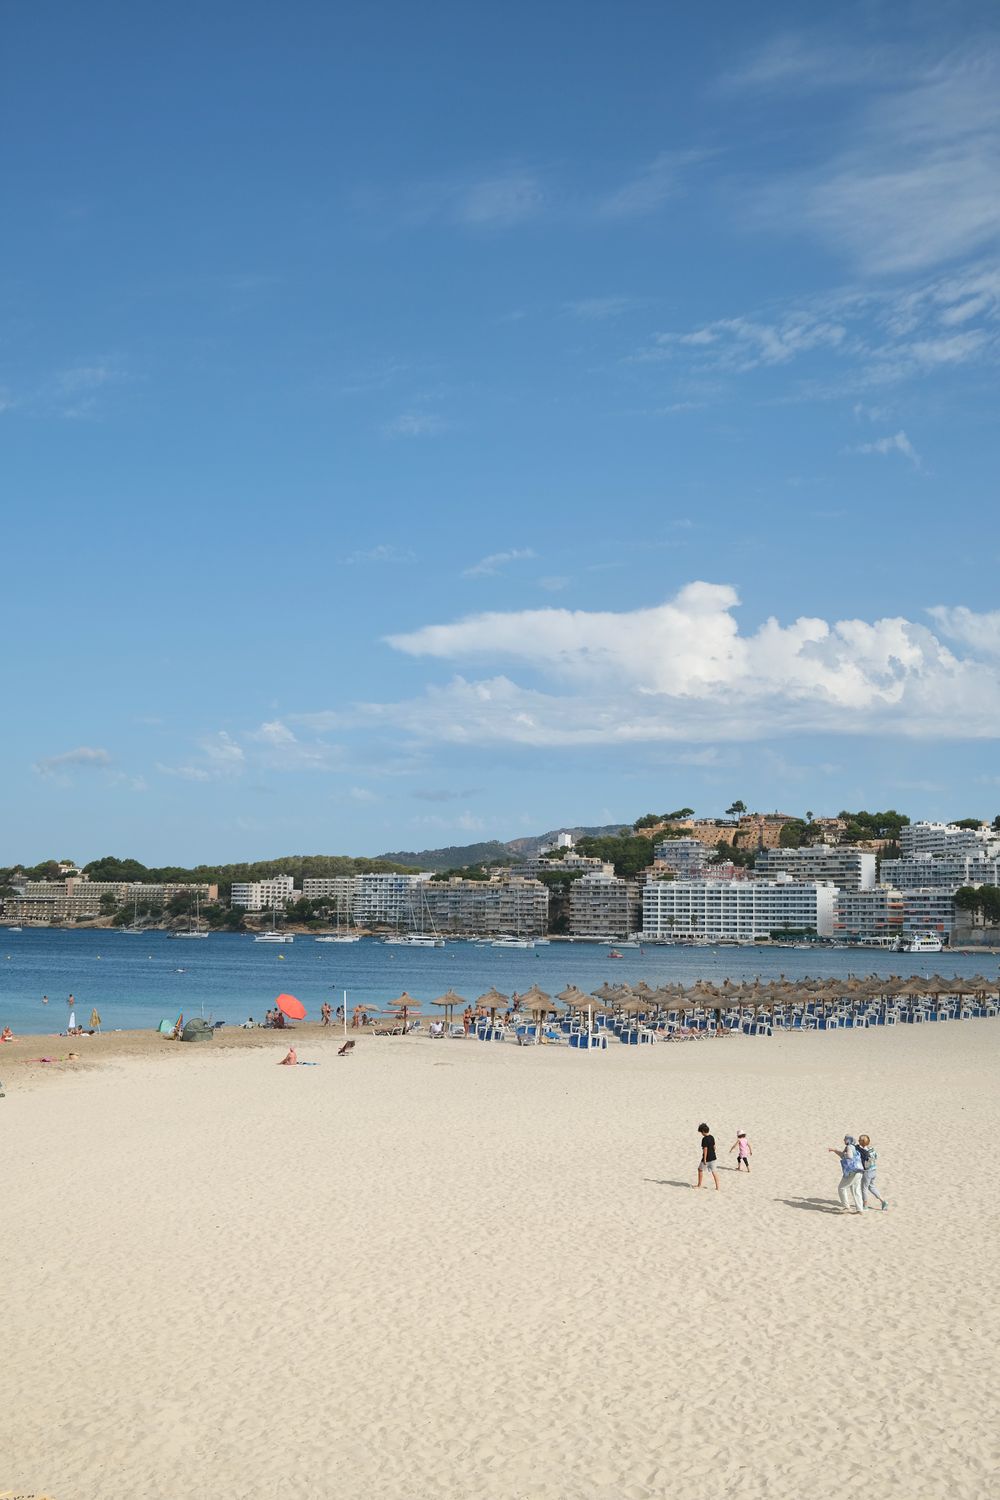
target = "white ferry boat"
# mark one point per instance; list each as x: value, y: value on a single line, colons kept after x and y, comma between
x: 924, y: 942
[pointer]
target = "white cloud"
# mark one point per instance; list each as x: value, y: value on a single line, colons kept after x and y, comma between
x: 898, y: 443
x: 362, y: 794
x: 83, y: 758
x: 682, y: 671
x: 981, y: 632
x: 223, y: 754
x: 486, y: 566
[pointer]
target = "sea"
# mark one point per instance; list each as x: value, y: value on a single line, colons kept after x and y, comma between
x: 135, y: 980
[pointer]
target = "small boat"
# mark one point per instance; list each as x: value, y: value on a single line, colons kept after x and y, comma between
x: 415, y: 940
x: 15, y: 929
x: 924, y: 942
x: 615, y: 954
x: 271, y: 936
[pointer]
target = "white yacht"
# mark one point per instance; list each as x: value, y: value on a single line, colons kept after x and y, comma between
x: 414, y: 940
x: 512, y: 942
x: 924, y: 942
x: 340, y: 937
x: 272, y: 936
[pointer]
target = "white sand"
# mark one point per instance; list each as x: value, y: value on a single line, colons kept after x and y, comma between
x: 459, y: 1270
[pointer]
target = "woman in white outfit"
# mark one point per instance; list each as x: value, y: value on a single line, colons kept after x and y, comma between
x: 849, y: 1190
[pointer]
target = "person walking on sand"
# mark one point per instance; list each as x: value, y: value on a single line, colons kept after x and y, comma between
x: 743, y: 1150
x: 707, y: 1163
x: 869, y: 1166
x: 849, y: 1189
x: 325, y: 1012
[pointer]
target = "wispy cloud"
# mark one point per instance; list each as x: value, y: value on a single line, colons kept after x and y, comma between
x: 445, y: 794
x: 184, y: 773
x: 382, y: 552
x: 649, y: 188
x: 486, y: 566
x: 848, y: 341
x: 898, y: 443
x: 415, y: 424
x: 500, y: 201
x: 600, y: 309
x: 915, y: 179
x: 83, y: 758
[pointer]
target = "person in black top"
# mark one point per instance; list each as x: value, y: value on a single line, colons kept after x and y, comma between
x: 707, y: 1162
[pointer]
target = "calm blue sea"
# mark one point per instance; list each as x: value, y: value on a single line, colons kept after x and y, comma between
x: 136, y: 981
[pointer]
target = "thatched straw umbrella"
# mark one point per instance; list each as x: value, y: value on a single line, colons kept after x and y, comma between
x: 450, y: 1002
x: 404, y: 1009
x: 493, y: 1001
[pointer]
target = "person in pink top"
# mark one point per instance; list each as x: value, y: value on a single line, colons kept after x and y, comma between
x: 743, y: 1150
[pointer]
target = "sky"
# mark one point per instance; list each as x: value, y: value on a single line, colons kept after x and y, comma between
x: 426, y: 424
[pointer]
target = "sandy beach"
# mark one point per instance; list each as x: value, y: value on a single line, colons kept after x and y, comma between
x: 450, y: 1269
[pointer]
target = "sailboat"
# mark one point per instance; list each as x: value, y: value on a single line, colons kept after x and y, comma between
x: 416, y: 939
x: 192, y: 930
x: 342, y: 935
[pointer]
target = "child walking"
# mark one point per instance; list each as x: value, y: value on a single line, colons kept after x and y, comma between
x: 869, y: 1166
x: 743, y: 1150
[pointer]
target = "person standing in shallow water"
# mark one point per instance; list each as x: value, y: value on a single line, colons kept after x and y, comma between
x: 707, y: 1162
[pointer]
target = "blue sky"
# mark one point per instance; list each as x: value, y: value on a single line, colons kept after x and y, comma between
x: 425, y: 424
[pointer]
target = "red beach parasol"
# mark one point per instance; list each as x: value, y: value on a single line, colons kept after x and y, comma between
x: 290, y: 1007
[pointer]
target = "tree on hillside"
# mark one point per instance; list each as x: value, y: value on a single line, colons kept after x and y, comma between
x: 108, y: 904
x: 628, y: 853
x: 872, y: 825
x: 652, y: 820
x: 966, y: 822
x: 112, y: 868
x: 736, y: 809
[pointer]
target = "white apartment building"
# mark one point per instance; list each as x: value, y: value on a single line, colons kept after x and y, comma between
x: 949, y: 870
x: 390, y: 900
x: 940, y: 839
x: 871, y: 916
x: 685, y: 857
x: 568, y: 860
x: 261, y: 895
x: 843, y: 866
x: 746, y: 910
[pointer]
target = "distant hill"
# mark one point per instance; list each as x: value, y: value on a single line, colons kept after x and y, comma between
x: 455, y: 857
x: 458, y: 856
